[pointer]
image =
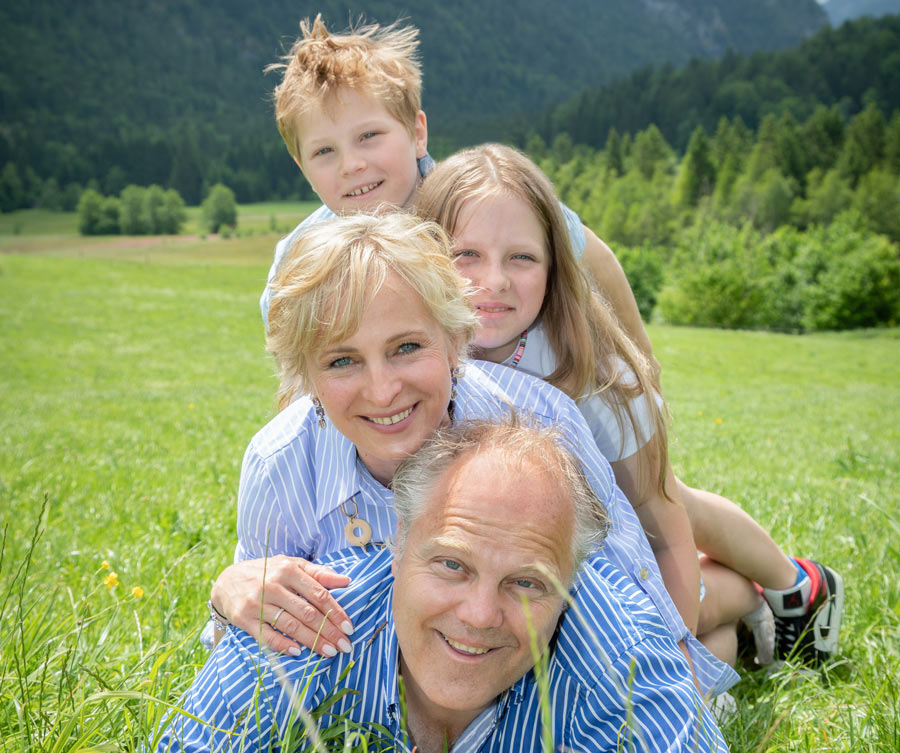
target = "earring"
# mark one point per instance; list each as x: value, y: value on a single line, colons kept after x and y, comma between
x: 320, y: 412
x: 455, y: 374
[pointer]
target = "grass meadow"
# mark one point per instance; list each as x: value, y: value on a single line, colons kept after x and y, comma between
x: 133, y: 374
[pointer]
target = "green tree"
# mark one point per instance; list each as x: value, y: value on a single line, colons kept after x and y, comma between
x: 698, y: 174
x: 892, y: 144
x: 109, y: 217
x: 649, y: 151
x: 823, y: 135
x: 864, y: 144
x: 171, y: 214
x: 615, y: 159
x: 877, y: 198
x: 133, y: 217
x: 220, y: 208
x: 826, y: 197
x: 12, y: 190
x: 90, y: 212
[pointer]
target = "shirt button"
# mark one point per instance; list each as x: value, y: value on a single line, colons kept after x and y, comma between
x: 645, y: 573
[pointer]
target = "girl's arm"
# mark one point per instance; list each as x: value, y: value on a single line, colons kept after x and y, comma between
x: 604, y: 267
x: 667, y: 527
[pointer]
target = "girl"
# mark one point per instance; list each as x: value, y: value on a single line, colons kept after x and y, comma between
x: 538, y: 314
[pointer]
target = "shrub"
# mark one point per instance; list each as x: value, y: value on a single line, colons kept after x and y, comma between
x: 133, y: 215
x: 644, y: 270
x: 220, y: 208
x: 90, y: 212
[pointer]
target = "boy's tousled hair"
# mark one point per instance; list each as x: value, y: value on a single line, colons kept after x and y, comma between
x: 381, y: 61
x: 582, y: 329
x: 333, y: 271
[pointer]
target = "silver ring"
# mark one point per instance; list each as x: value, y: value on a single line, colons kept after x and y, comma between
x: 277, y: 615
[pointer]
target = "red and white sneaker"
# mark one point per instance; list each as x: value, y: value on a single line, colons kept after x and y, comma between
x: 808, y: 615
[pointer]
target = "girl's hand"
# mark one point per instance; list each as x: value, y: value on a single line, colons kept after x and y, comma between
x: 288, y: 593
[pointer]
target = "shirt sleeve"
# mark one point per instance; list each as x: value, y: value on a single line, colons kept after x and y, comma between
x: 263, y: 530
x: 647, y: 701
x: 576, y: 231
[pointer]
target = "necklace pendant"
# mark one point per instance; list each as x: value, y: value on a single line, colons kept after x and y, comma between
x: 358, y: 532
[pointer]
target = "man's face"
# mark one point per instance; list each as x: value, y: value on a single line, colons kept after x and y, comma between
x: 467, y: 562
x: 356, y: 155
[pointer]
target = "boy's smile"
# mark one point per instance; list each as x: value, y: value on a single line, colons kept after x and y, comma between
x: 356, y: 155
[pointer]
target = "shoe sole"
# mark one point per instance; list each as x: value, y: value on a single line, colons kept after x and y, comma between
x: 826, y: 625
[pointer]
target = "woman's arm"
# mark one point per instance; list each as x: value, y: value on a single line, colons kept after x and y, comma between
x: 270, y: 590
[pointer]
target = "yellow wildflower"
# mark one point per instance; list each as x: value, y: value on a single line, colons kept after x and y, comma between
x: 718, y: 420
x: 699, y: 412
x: 137, y: 592
x: 104, y: 565
x: 111, y: 581
x: 191, y: 405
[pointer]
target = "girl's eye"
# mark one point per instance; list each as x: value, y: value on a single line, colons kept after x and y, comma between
x: 464, y: 253
x: 338, y: 363
x: 408, y: 348
x: 369, y: 134
x: 323, y: 150
x: 523, y: 257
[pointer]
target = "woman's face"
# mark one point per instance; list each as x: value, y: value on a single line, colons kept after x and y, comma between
x: 499, y: 246
x: 386, y: 388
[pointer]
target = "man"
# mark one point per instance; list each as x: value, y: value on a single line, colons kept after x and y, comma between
x: 495, y: 521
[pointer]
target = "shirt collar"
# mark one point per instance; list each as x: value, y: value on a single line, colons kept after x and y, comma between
x: 337, y: 477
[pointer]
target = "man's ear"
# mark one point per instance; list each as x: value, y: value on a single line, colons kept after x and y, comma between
x: 420, y: 134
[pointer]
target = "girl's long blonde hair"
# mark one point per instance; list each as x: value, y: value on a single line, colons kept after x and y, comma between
x: 582, y: 329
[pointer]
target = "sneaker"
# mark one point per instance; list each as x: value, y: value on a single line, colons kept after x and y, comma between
x: 808, y: 615
x: 761, y: 624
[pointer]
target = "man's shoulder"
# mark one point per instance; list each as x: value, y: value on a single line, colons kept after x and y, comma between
x: 520, y: 390
x: 609, y: 618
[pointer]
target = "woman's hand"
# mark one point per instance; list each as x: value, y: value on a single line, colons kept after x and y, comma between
x: 289, y: 593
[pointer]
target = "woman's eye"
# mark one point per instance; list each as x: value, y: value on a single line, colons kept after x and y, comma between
x: 526, y: 583
x: 337, y: 363
x: 408, y: 348
x: 523, y: 257
x: 452, y: 565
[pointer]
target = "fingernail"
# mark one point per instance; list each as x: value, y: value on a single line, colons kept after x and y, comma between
x: 344, y: 645
x: 328, y: 650
x: 347, y: 627
x: 294, y: 651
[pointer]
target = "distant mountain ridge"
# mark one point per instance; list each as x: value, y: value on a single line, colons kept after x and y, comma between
x: 174, y: 93
x: 844, y: 10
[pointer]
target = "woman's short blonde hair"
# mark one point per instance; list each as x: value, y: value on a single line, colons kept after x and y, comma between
x: 337, y: 266
x: 380, y: 61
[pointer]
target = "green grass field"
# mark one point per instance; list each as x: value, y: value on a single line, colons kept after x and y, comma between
x: 133, y: 377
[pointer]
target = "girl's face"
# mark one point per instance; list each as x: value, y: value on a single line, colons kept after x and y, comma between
x: 499, y: 246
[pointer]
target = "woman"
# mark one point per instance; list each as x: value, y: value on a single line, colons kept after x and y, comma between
x: 369, y: 323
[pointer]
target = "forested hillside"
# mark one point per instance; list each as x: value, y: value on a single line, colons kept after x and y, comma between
x: 850, y: 66
x: 173, y: 92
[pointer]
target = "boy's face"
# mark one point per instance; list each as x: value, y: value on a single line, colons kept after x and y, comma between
x: 356, y: 155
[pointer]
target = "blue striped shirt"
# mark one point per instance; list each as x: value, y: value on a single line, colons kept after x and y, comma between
x: 299, y: 482
x: 616, y: 681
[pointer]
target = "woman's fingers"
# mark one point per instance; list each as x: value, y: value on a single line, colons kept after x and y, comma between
x: 291, y: 592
